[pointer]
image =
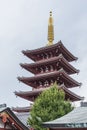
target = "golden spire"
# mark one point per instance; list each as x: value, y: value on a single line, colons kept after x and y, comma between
x: 50, y: 30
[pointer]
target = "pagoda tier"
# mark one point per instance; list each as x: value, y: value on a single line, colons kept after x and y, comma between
x: 49, y: 51
x: 45, y: 80
x: 48, y: 65
x: 32, y: 95
x: 21, y: 109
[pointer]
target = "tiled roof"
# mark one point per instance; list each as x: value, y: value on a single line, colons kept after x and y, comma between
x: 23, y: 117
x: 76, y: 118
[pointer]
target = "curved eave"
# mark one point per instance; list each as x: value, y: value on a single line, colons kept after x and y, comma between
x: 29, y: 95
x: 21, y: 109
x: 67, y: 80
x: 35, y: 93
x: 72, y: 95
x: 60, y: 59
x: 32, y: 53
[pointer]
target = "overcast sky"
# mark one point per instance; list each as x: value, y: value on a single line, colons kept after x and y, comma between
x: 23, y: 25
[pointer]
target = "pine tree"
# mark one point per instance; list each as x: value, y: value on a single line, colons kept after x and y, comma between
x: 49, y: 105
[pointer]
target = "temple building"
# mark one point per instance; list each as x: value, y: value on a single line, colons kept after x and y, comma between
x: 12, y: 121
x: 51, y: 63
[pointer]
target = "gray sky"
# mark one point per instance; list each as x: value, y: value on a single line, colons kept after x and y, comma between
x: 23, y: 25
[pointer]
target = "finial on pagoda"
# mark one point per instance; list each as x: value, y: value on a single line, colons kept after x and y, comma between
x: 50, y: 30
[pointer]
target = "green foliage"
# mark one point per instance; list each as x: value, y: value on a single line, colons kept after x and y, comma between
x: 48, y: 106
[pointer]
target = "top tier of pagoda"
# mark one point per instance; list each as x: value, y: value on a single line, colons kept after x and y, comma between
x: 51, y: 64
x: 50, y: 51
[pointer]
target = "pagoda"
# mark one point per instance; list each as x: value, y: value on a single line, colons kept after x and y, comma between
x: 51, y: 64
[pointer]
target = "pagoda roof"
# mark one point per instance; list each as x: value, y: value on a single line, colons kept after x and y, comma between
x: 21, y: 109
x: 32, y: 95
x: 32, y: 54
x: 55, y: 75
x: 75, y: 119
x: 59, y: 59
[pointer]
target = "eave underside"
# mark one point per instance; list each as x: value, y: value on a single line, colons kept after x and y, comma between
x: 21, y: 109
